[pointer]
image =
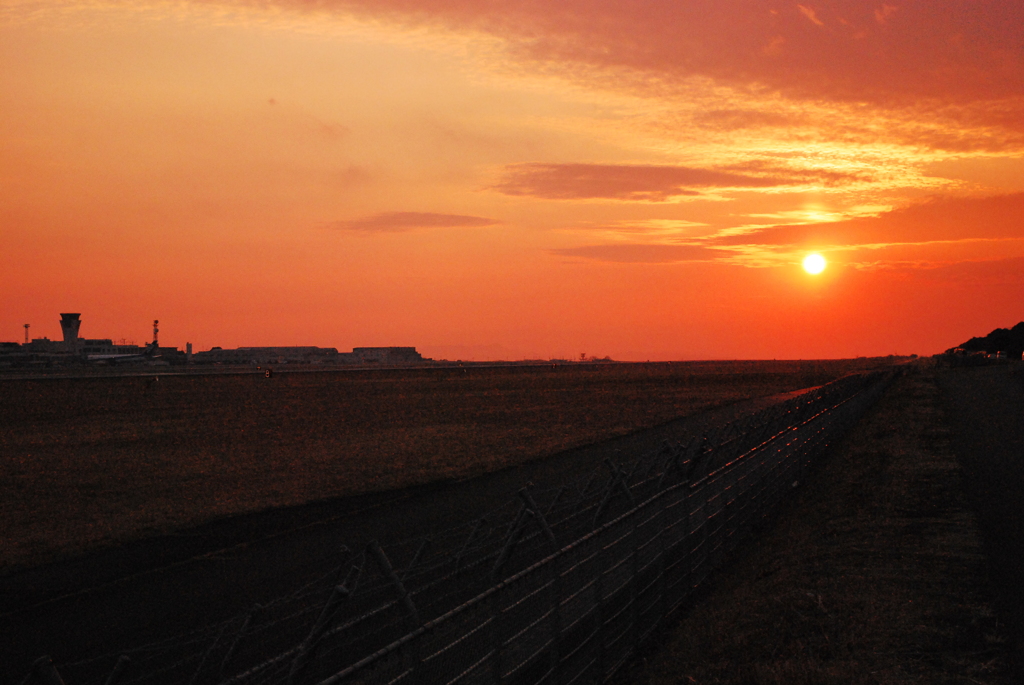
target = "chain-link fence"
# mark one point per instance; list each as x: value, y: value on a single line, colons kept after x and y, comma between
x: 558, y: 586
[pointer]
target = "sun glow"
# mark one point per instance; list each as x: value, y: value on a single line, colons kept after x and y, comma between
x: 814, y: 263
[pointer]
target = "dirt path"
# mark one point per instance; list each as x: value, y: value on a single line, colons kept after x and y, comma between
x: 986, y: 412
x: 149, y: 590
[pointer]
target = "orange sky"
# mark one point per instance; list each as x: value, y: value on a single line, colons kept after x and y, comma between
x: 515, y: 180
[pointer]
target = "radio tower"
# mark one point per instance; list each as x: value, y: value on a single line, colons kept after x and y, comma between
x: 155, y: 332
x: 26, y: 333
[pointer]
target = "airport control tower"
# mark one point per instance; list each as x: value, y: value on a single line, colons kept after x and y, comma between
x: 69, y: 323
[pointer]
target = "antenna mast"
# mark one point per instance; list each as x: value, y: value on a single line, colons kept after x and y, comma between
x: 26, y: 333
x: 156, y: 331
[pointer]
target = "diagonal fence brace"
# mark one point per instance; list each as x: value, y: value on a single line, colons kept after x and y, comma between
x: 123, y: 662
x: 323, y: 621
x: 535, y: 511
x: 558, y: 496
x: 510, y: 539
x: 673, y: 462
x: 617, y: 483
x: 307, y: 649
x: 115, y: 675
x: 44, y: 672
x: 529, y: 509
x: 658, y: 460
x: 389, y: 573
x: 415, y: 559
x: 698, y: 454
x: 480, y: 522
x: 238, y: 637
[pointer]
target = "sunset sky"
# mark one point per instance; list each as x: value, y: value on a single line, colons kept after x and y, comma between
x: 516, y: 179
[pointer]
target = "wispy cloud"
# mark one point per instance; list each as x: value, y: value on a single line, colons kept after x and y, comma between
x: 935, y: 219
x: 856, y: 50
x: 810, y: 14
x: 928, y: 234
x: 398, y: 222
x: 644, y: 253
x: 647, y: 183
x: 667, y: 230
x: 734, y: 119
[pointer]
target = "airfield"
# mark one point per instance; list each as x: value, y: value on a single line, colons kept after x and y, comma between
x: 180, y: 487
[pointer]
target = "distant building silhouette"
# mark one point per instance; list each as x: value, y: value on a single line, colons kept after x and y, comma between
x: 267, y: 355
x: 69, y: 323
x: 309, y: 355
x: 74, y: 349
x: 386, y: 355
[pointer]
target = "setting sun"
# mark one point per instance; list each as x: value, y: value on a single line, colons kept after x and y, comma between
x: 415, y: 172
x: 814, y: 263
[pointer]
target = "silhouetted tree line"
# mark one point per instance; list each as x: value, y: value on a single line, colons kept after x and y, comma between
x: 1008, y: 340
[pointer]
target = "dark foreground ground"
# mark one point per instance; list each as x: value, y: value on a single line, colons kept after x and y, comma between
x: 874, y: 573
x: 985, y: 407
x: 142, y: 592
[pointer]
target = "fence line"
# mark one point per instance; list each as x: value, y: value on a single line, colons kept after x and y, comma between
x: 560, y: 585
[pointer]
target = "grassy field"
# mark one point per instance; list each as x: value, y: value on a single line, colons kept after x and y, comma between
x: 874, y: 573
x: 98, y: 461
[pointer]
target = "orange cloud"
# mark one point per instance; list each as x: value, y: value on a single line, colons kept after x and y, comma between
x: 944, y: 49
x: 883, y: 13
x: 647, y: 254
x: 735, y: 119
x: 933, y: 220
x: 650, y: 183
x: 398, y: 222
x: 810, y: 14
x: 933, y: 233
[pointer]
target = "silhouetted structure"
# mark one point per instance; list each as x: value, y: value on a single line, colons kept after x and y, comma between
x: 386, y: 355
x: 268, y: 355
x: 69, y: 324
x: 309, y: 355
x: 75, y: 349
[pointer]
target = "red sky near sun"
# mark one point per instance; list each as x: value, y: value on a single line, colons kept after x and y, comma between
x: 515, y: 180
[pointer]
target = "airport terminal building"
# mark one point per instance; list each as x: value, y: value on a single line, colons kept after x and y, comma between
x: 310, y: 355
